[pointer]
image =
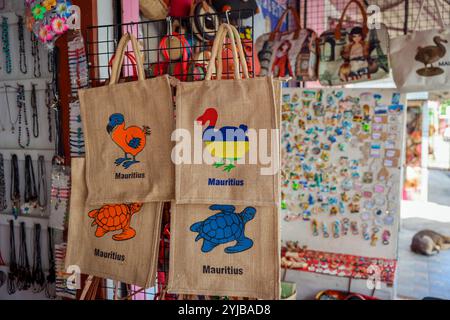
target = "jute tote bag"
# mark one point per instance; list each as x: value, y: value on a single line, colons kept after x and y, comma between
x: 421, y: 60
x: 225, y: 250
x: 112, y: 241
x: 127, y: 130
x: 217, y: 160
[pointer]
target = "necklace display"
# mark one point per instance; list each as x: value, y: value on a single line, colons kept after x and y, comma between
x: 37, y: 273
x: 15, y: 186
x: 3, y: 204
x: 51, y: 277
x: 34, y: 110
x: 22, y: 105
x: 12, y: 123
x: 30, y: 194
x: 42, y: 196
x: 23, y: 269
x: 12, y: 275
x: 60, y: 192
x: 36, y: 56
x: 22, y: 53
x: 5, y: 41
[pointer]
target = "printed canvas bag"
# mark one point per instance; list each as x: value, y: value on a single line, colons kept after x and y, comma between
x: 355, y: 54
x: 225, y: 250
x: 217, y: 121
x: 291, y: 54
x: 127, y: 129
x: 421, y: 60
x: 117, y: 241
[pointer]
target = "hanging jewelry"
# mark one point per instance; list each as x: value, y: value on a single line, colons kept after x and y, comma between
x: 3, y: 204
x: 24, y: 272
x: 37, y: 273
x: 21, y: 104
x: 49, y: 102
x: 35, y: 54
x: 5, y: 41
x: 34, y: 110
x: 50, y: 61
x: 42, y: 195
x: 13, y: 123
x: 22, y: 53
x: 51, y: 277
x: 15, y: 186
x: 12, y: 275
x: 30, y: 193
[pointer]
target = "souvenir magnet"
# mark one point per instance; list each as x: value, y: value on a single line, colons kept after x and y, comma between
x: 365, y: 231
x: 354, y: 227
x: 325, y: 230
x: 336, y: 229
x: 315, y: 227
x: 386, y: 236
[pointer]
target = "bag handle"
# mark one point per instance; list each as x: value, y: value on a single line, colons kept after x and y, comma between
x: 238, y: 53
x: 132, y: 60
x: 337, y: 32
x: 120, y: 53
x: 422, y: 5
x: 298, y: 25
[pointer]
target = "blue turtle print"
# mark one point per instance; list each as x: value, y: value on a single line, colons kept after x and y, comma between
x: 223, y: 227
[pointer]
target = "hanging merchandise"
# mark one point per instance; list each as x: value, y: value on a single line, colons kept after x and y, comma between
x: 30, y: 193
x: 354, y: 54
x: 128, y: 148
x: 228, y: 171
x: 42, y: 196
x: 62, y: 277
x: 35, y: 52
x: 180, y: 8
x: 78, y: 68
x: 154, y: 9
x: 289, y: 54
x: 15, y: 186
x: 22, y: 52
x: 221, y: 231
x: 49, y: 19
x: 11, y: 122
x: 116, y: 241
x: 34, y: 110
x: 227, y: 251
x: 60, y: 195
x: 204, y: 21
x: 3, y: 276
x: 240, y: 9
x: 49, y: 102
x: 50, y: 290
x: 341, y: 176
x: 13, y: 268
x: 3, y: 204
x: 24, y: 280
x: 37, y: 273
x: 421, y: 59
x: 22, y: 117
x: 6, y: 45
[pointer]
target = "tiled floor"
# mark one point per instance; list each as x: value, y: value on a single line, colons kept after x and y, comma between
x: 421, y: 276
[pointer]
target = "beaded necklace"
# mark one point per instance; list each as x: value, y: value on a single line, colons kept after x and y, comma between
x: 34, y: 110
x: 42, y: 184
x: 15, y: 186
x: 23, y: 272
x: 49, y: 102
x: 30, y: 193
x: 5, y: 40
x: 51, y: 277
x: 21, y: 104
x: 12, y: 275
x: 13, y: 123
x: 22, y: 53
x: 37, y: 274
x: 35, y: 54
x: 3, y: 204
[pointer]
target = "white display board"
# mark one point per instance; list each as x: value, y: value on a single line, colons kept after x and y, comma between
x: 342, y: 152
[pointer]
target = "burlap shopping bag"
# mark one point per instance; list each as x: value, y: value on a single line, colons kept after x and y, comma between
x: 225, y: 250
x: 221, y: 142
x: 127, y: 130
x: 112, y: 241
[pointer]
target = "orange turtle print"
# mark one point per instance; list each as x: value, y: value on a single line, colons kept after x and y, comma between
x: 115, y: 217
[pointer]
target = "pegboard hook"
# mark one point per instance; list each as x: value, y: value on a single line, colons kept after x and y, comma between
x: 227, y: 15
x: 169, y: 25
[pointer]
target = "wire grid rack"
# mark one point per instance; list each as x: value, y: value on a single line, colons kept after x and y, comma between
x: 101, y: 43
x: 398, y: 15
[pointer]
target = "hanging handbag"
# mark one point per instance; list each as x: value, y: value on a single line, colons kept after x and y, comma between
x: 292, y: 53
x: 127, y: 130
x: 204, y: 21
x: 117, y: 241
x: 421, y: 59
x: 228, y: 172
x: 354, y: 54
x: 154, y: 9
